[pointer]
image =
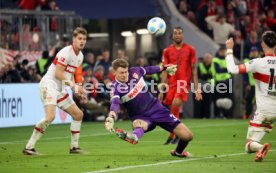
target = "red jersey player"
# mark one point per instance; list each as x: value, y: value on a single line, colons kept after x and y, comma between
x: 184, y: 56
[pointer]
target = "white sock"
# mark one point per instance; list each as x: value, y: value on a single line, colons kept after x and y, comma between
x: 75, y: 133
x: 39, y: 129
x: 252, y: 146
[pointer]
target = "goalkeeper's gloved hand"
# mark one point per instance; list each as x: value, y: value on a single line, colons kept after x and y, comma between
x: 170, y: 68
x: 109, y: 121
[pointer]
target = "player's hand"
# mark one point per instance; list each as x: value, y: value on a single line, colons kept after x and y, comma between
x: 109, y: 121
x: 229, y: 43
x: 170, y: 68
x: 78, y: 89
x: 198, y: 95
x: 160, y: 96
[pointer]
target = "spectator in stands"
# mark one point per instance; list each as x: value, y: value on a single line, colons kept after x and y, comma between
x: 223, y: 101
x: 110, y: 74
x: 121, y: 54
x: 89, y: 60
x: 24, y: 71
x: 207, y: 9
x: 99, y: 73
x: 26, y: 37
x: 50, y: 5
x: 250, y: 42
x: 41, y: 62
x: 12, y: 75
x: 271, y: 20
x: 238, y: 44
x: 249, y: 85
x: 185, y: 10
x: 233, y: 12
x: 30, y: 4
x: 215, y: 3
x: 34, y: 77
x: 140, y: 61
x: 221, y: 29
x: 202, y: 108
x: 104, y: 61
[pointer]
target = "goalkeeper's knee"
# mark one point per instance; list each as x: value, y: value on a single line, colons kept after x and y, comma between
x: 140, y: 123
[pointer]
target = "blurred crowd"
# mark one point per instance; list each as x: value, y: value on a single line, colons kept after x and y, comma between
x: 32, y: 26
x: 244, y: 20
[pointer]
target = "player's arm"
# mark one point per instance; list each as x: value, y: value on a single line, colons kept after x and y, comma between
x: 59, y: 74
x: 169, y: 68
x: 114, y: 109
x: 198, y: 95
x: 230, y: 63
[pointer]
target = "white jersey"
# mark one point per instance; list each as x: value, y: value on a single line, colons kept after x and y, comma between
x: 264, y: 72
x: 68, y: 58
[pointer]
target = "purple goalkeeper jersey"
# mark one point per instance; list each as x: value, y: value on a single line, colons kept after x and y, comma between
x: 134, y: 94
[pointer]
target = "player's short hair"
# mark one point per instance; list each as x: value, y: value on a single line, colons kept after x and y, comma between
x: 178, y: 28
x: 269, y: 38
x: 119, y: 63
x: 79, y: 30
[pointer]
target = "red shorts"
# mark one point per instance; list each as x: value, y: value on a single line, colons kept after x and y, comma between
x: 172, y: 94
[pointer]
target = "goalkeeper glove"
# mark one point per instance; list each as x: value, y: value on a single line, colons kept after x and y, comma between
x: 109, y: 121
x: 170, y: 68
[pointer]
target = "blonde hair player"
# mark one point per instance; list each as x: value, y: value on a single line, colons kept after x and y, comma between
x: 53, y: 93
x: 264, y: 72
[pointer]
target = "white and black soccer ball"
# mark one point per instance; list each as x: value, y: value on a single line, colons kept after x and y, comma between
x: 156, y: 26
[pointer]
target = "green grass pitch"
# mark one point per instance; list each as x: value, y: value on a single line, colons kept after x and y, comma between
x: 217, y: 147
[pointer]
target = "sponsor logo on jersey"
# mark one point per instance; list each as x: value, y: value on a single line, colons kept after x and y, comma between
x: 62, y: 59
x: 134, y: 92
x: 135, y: 75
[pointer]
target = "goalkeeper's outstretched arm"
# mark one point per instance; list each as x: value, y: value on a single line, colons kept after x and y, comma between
x: 169, y: 68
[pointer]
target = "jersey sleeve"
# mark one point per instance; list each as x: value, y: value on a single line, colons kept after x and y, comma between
x: 241, y: 68
x: 62, y: 58
x: 114, y: 99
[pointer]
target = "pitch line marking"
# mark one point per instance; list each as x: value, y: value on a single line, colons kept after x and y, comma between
x: 169, y: 162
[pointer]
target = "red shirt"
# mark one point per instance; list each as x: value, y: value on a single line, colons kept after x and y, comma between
x: 184, y: 57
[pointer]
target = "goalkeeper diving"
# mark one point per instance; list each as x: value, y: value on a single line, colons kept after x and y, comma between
x: 145, y: 111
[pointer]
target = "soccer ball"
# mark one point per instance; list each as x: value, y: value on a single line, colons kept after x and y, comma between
x: 156, y: 26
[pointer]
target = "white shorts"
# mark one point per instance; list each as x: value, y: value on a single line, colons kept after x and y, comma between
x: 259, y: 123
x: 50, y: 96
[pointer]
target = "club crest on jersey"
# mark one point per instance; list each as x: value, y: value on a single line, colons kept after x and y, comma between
x: 62, y: 59
x: 135, y: 76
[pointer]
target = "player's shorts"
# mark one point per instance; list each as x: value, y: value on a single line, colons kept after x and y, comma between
x: 51, y: 96
x: 173, y: 93
x: 159, y: 117
x: 259, y: 123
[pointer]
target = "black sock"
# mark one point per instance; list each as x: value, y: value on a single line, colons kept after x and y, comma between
x: 181, y: 146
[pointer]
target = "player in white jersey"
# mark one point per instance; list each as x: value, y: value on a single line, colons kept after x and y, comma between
x: 53, y: 92
x: 264, y: 72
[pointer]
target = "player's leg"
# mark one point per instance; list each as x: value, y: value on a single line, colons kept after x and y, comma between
x: 39, y: 129
x: 176, y: 105
x: 49, y: 99
x: 168, y: 101
x: 185, y: 136
x: 77, y: 116
x: 256, y: 131
x: 139, y: 128
x: 169, y: 122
